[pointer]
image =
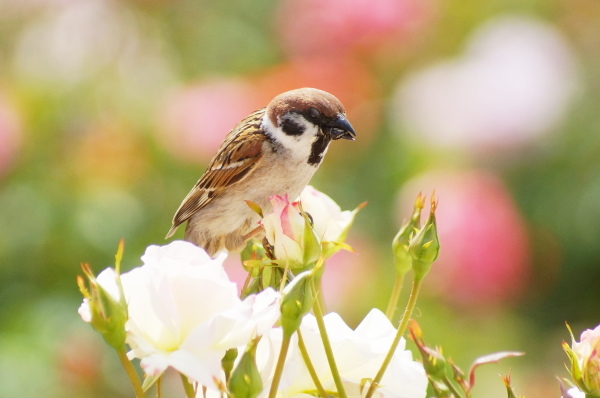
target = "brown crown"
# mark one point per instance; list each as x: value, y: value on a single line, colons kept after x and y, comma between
x: 303, y: 99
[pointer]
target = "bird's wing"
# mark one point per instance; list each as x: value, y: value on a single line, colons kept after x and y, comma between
x: 238, y: 156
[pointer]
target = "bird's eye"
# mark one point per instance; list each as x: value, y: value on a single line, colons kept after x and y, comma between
x: 314, y: 114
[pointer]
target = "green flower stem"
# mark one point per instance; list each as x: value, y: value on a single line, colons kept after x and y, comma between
x: 319, y: 298
x: 327, y: 345
x: 132, y: 374
x: 410, y: 306
x: 452, y: 388
x: 395, y: 297
x: 247, y: 282
x: 285, y: 345
x: 187, y: 387
x: 310, y: 367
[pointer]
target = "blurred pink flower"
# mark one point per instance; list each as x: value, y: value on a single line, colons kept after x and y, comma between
x: 10, y: 136
x: 338, y: 27
x: 197, y: 118
x: 512, y: 85
x: 485, y: 255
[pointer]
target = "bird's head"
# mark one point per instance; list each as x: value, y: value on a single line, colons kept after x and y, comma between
x: 305, y: 121
x: 298, y: 112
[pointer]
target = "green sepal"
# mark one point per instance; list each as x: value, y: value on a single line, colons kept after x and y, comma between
x: 149, y: 381
x: 424, y: 247
x: 400, y: 244
x: 312, y: 244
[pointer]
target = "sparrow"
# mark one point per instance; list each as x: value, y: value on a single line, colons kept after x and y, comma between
x: 273, y: 151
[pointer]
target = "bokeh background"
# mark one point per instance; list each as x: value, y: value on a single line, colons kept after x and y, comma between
x: 111, y: 109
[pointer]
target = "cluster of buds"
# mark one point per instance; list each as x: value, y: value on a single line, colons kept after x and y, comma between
x: 222, y: 344
x: 300, y: 234
x: 417, y: 246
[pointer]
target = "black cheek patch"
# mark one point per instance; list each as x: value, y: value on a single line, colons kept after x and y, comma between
x: 318, y: 148
x: 291, y: 127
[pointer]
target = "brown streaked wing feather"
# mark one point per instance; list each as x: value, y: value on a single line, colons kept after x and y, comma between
x: 237, y: 157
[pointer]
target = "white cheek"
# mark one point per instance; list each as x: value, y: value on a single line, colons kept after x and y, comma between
x: 299, y: 145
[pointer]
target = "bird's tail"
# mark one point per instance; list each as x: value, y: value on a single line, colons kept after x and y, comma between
x: 171, y: 231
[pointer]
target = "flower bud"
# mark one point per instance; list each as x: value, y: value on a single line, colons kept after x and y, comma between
x: 228, y: 361
x: 104, y: 305
x: 585, y: 361
x: 402, y: 259
x: 245, y: 381
x: 433, y: 361
x: 424, y: 247
x: 297, y: 301
x: 289, y: 231
x: 509, y: 390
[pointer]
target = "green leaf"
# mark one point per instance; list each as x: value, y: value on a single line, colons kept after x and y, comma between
x: 255, y: 208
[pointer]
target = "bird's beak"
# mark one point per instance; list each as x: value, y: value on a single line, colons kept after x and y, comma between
x: 340, y: 127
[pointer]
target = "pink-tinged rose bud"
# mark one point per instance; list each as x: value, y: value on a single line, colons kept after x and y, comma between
x: 284, y: 228
x: 292, y: 237
x: 585, y: 361
x: 485, y: 258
